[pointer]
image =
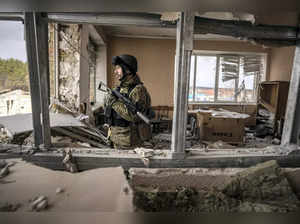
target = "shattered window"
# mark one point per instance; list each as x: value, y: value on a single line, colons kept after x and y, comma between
x: 224, y: 77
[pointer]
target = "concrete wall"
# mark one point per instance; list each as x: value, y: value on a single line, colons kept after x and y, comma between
x: 281, y: 63
x: 84, y: 66
x: 101, y: 73
x: 156, y: 61
x: 281, y: 59
x: 69, y: 65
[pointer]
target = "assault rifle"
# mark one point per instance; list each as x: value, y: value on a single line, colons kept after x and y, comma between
x: 131, y: 106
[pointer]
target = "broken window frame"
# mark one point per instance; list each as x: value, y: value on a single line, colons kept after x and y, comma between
x: 218, y: 55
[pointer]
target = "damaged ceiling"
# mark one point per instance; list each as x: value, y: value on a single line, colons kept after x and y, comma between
x: 167, y: 33
x: 154, y: 32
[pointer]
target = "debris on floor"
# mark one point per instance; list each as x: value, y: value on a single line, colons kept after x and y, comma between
x: 261, y: 188
x: 144, y: 153
x: 9, y: 207
x: 59, y: 190
x: 265, y: 123
x: 3, y: 163
x: 69, y: 161
x: 44, y: 190
x: 17, y: 129
x: 4, y: 171
x: 40, y: 203
x: 220, y: 145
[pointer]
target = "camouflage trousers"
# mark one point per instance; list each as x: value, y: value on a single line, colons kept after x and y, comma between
x: 125, y: 137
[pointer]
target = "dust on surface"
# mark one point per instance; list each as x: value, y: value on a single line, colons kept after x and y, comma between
x: 93, y: 190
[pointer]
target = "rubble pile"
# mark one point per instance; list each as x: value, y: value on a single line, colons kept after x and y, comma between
x: 4, y: 138
x: 265, y: 120
x: 262, y: 188
x: 68, y: 129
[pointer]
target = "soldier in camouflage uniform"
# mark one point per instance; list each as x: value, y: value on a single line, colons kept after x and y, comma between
x: 127, y: 130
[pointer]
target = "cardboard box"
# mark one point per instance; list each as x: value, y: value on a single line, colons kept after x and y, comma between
x: 213, y: 127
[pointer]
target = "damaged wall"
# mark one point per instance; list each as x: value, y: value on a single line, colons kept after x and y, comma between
x: 69, y: 65
x: 156, y: 61
x: 76, y: 63
x: 84, y: 88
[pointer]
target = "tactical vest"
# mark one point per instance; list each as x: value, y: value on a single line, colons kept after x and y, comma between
x: 117, y: 120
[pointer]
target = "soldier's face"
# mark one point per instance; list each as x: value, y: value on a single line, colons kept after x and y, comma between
x: 118, y: 71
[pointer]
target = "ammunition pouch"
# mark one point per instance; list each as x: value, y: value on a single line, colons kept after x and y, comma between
x: 144, y: 131
x: 108, y: 115
x: 117, y: 120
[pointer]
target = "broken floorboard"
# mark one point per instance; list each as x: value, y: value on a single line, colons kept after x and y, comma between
x: 95, y: 158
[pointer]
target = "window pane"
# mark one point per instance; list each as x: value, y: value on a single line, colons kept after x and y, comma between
x: 246, y: 88
x: 205, y: 78
x: 226, y: 89
x: 192, y: 74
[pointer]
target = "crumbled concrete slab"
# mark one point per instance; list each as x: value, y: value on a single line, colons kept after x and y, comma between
x: 261, y: 188
x: 4, y: 171
x: 263, y: 181
x: 293, y: 177
x: 21, y: 123
x: 259, y: 207
x: 169, y: 179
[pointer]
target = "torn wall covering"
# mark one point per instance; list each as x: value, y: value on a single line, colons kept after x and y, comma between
x: 69, y: 65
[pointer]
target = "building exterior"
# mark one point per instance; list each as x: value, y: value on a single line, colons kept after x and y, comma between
x: 15, y: 102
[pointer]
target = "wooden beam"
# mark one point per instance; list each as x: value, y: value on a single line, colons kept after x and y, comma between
x: 30, y: 38
x: 184, y: 47
x: 41, y: 32
x: 291, y: 129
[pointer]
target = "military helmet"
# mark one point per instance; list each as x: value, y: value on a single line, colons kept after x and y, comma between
x: 127, y: 62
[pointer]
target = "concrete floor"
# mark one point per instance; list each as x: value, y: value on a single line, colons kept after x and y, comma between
x: 98, y: 190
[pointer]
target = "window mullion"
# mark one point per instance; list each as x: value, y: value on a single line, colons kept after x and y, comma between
x: 195, y: 78
x: 237, y: 82
x: 217, y: 78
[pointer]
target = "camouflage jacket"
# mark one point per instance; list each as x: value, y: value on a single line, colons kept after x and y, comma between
x: 133, y: 89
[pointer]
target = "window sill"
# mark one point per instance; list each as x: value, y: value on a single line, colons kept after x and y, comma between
x: 221, y: 103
